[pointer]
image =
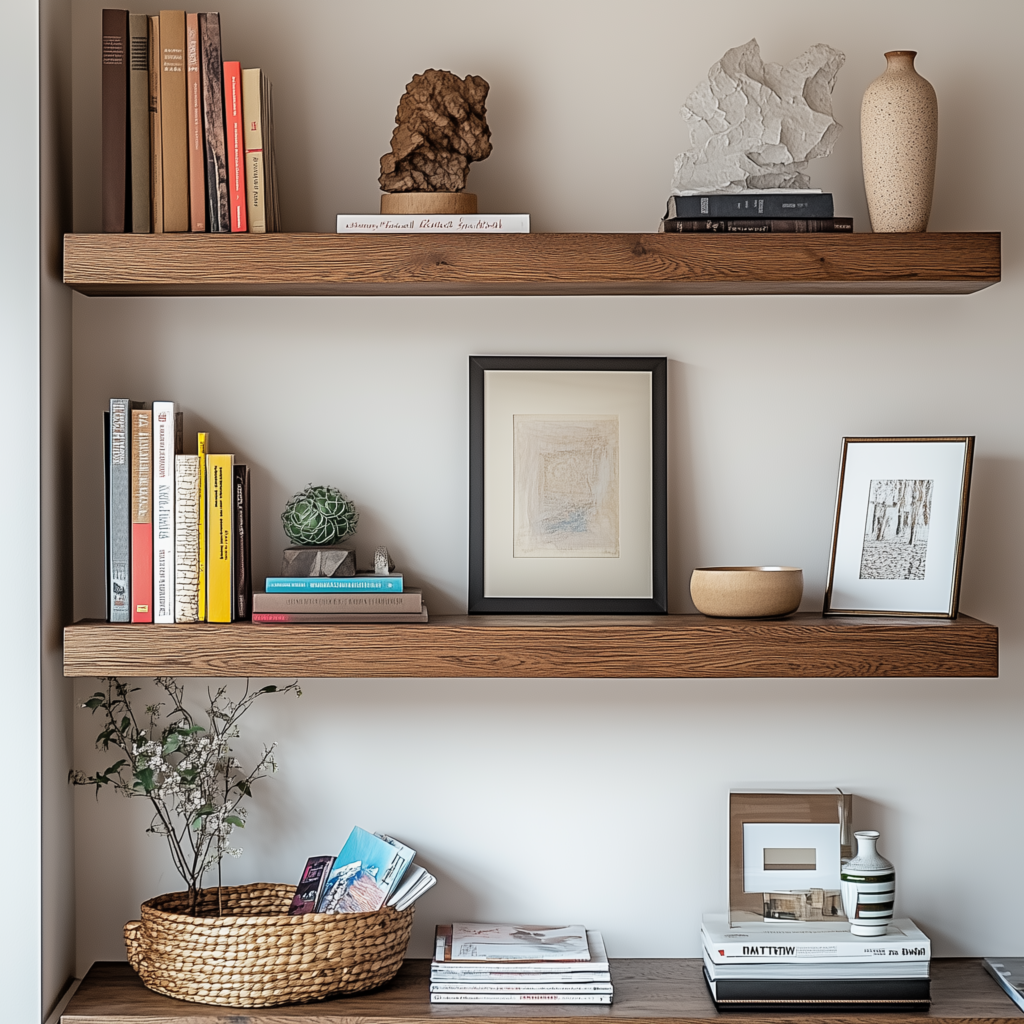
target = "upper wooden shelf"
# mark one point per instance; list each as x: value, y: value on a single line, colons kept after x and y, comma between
x: 645, y: 991
x: 544, y: 646
x: 534, y: 264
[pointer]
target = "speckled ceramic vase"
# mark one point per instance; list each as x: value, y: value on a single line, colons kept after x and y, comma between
x: 868, y: 884
x: 899, y: 129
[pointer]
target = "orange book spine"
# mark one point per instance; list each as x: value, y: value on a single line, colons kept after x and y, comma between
x: 196, y: 154
x: 235, y: 132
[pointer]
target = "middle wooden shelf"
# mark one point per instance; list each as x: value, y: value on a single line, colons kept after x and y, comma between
x: 544, y: 646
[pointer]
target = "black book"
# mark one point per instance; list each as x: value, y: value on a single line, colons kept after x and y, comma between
x: 115, y: 127
x: 242, y: 554
x: 211, y: 72
x: 797, y: 992
x: 106, y: 508
x: 758, y: 226
x: 787, y: 205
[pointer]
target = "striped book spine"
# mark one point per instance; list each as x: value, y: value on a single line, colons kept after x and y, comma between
x: 163, y: 510
x: 186, y: 538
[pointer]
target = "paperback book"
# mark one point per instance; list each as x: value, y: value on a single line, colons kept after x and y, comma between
x: 487, y: 943
x: 311, y: 885
x: 365, y: 873
x: 458, y: 224
x: 360, y: 583
x: 1009, y: 972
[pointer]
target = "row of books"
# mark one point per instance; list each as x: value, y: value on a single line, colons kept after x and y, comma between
x: 188, y: 138
x: 779, y: 211
x: 505, y: 963
x: 177, y: 534
x: 777, y: 963
x: 372, y: 870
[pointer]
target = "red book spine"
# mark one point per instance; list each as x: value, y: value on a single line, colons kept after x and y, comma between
x: 235, y: 132
x: 142, y: 572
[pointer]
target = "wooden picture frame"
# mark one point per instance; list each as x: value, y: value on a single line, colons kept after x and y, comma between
x: 567, y: 485
x: 900, y: 526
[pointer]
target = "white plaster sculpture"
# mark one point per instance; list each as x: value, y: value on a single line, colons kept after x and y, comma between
x: 755, y: 126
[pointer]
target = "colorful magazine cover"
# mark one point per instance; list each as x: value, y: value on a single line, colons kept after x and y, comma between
x: 365, y: 873
x: 519, y: 942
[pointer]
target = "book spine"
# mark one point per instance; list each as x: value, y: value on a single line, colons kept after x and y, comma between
x: 530, y: 989
x: 163, y: 510
x: 156, y: 147
x: 754, y: 225
x: 242, y: 553
x: 456, y: 997
x: 511, y: 978
x: 354, y: 584
x: 831, y: 990
x: 142, y: 515
x: 196, y: 155
x: 203, y: 448
x: 186, y: 538
x: 235, y: 142
x: 174, y: 119
x: 782, y: 204
x: 813, y: 952
x: 106, y: 513
x: 350, y: 618
x: 272, y: 205
x: 211, y: 68
x: 459, y: 224
x: 115, y: 122
x: 120, y: 509
x: 219, y: 475
x: 408, y: 602
x: 252, y: 103
x: 138, y: 91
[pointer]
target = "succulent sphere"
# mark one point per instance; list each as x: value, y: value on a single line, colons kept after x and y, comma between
x: 319, y: 515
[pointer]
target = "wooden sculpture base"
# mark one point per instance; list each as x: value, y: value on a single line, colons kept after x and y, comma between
x: 427, y: 203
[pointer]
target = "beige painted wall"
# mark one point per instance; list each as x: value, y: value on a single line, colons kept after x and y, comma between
x: 530, y: 799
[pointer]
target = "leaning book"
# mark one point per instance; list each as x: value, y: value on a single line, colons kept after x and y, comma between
x: 365, y: 873
x: 1009, y: 972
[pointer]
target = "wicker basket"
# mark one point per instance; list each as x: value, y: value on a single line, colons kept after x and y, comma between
x: 256, y: 954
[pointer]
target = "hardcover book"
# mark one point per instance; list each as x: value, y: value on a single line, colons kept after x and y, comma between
x: 329, y: 618
x: 220, y: 537
x: 459, y: 224
x: 787, y: 205
x: 360, y: 583
x: 174, y: 120
x: 116, y: 184
x: 165, y: 447
x: 218, y: 209
x: 186, y: 538
x: 311, y: 885
x: 255, y: 107
x: 755, y: 225
x: 120, y: 509
x: 235, y: 142
x: 365, y: 873
x: 242, y: 554
x: 138, y: 89
x: 196, y: 154
x: 156, y: 146
x: 203, y: 448
x: 874, y: 992
x: 142, y: 515
x: 409, y: 602
x: 106, y: 513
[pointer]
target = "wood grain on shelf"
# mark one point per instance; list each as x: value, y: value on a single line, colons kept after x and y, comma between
x: 622, y: 647
x: 645, y: 991
x: 529, y: 264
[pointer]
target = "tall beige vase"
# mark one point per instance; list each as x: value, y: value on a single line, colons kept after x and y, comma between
x: 899, y: 129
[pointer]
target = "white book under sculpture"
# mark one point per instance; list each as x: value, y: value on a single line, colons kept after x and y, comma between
x: 433, y: 224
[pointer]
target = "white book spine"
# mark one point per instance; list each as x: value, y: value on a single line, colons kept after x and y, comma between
x: 551, y: 997
x: 186, y: 538
x: 804, y: 952
x: 451, y: 224
x: 163, y: 511
x: 485, y: 989
x: 520, y: 978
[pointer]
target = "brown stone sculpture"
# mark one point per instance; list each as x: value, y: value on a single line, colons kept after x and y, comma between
x: 441, y: 128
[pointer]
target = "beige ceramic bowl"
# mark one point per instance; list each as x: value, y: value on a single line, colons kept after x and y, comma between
x: 747, y: 591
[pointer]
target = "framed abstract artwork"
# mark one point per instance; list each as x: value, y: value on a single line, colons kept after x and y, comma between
x: 567, y: 485
x: 901, y: 517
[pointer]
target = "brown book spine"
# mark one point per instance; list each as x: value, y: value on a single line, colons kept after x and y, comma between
x: 138, y: 90
x: 174, y: 119
x: 196, y: 156
x: 156, y: 149
x: 218, y: 208
x: 116, y: 206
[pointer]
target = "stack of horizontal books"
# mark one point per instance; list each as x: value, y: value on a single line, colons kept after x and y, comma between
x: 505, y: 963
x: 775, y: 964
x: 365, y: 597
x: 785, y: 211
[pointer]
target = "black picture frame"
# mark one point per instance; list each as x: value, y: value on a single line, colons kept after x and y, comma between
x: 657, y: 603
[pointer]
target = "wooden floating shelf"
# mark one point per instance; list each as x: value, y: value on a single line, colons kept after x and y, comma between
x: 531, y: 264
x: 544, y: 646
x: 645, y: 991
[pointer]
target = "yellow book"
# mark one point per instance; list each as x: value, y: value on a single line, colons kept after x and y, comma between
x: 220, y: 471
x: 202, y: 448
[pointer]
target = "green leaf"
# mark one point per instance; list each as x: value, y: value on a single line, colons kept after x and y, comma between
x: 125, y: 722
x: 172, y: 743
x: 269, y: 689
x: 233, y: 819
x: 93, y: 703
x: 144, y: 777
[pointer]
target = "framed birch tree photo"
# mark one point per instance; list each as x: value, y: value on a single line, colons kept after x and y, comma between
x: 567, y: 481
x: 901, y: 518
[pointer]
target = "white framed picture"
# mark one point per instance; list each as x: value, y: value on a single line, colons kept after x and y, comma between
x: 901, y: 517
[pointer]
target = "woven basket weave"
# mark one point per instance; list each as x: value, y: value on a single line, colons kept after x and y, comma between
x: 255, y: 954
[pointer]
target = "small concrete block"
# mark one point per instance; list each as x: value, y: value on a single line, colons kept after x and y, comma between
x: 318, y: 561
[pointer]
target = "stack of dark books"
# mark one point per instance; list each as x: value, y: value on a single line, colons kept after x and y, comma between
x: 786, y: 212
x: 807, y: 963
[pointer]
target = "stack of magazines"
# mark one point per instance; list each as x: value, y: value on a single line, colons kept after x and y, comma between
x: 507, y: 963
x: 810, y: 962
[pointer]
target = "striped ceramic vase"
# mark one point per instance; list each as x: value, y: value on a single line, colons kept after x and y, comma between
x: 869, y: 887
